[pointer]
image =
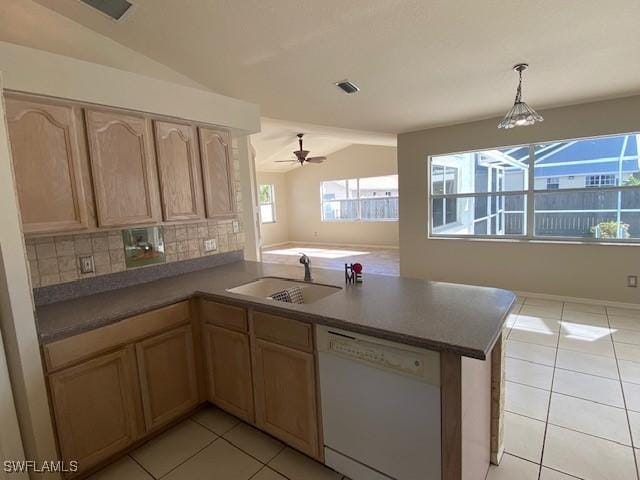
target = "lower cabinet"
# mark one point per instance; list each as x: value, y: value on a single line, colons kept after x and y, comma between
x: 229, y: 370
x: 166, y: 367
x: 285, y: 395
x: 96, y: 407
x: 262, y: 371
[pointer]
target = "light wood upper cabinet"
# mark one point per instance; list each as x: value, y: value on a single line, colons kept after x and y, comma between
x: 229, y: 370
x: 179, y: 171
x: 48, y: 159
x: 285, y: 395
x: 167, y: 373
x: 96, y: 408
x: 123, y: 168
x: 217, y: 172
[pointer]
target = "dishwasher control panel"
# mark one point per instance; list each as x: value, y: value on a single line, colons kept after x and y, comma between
x: 384, y: 356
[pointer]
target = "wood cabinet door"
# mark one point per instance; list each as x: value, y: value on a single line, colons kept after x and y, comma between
x: 48, y: 165
x: 217, y: 172
x: 179, y: 171
x: 229, y: 371
x: 285, y: 395
x: 96, y: 407
x: 123, y: 168
x: 166, y: 367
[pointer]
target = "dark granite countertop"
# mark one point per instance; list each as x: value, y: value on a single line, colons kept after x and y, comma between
x: 440, y: 316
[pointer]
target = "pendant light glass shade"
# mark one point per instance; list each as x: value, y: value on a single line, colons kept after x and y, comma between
x: 521, y: 114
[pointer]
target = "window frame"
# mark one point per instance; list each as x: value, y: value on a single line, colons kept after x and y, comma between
x: 600, y: 177
x: 529, y: 197
x: 357, y: 198
x: 272, y: 204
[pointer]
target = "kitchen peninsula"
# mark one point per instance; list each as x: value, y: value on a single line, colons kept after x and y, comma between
x: 171, y: 344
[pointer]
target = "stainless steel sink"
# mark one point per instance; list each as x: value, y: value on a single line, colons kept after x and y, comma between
x: 265, y: 287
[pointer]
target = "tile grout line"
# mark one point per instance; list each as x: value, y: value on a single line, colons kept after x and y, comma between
x: 139, y: 464
x: 241, y: 422
x: 546, y: 425
x: 624, y: 400
x: 189, y: 458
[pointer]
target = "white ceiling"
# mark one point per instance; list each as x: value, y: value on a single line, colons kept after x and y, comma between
x: 278, y: 140
x: 419, y: 62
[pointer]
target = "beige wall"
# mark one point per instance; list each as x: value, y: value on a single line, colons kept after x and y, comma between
x: 579, y: 270
x: 303, y: 184
x: 278, y: 232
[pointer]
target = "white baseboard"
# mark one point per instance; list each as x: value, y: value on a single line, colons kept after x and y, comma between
x: 272, y: 245
x: 330, y: 244
x: 590, y: 301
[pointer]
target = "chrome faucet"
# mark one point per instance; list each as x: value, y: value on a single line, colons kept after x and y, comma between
x: 306, y: 261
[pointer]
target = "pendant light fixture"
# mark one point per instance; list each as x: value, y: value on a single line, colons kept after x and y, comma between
x: 521, y: 114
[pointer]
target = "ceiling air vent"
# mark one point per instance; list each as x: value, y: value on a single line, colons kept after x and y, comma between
x: 348, y: 87
x: 115, y: 9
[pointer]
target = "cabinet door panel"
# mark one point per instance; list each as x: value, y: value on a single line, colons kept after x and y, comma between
x: 217, y: 172
x: 47, y: 163
x: 229, y: 370
x: 122, y: 162
x: 167, y: 376
x: 179, y: 170
x: 285, y: 395
x: 95, y: 407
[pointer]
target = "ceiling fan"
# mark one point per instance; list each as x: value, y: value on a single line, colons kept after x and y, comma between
x: 301, y: 155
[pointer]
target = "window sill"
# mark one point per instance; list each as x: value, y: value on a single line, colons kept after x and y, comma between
x: 634, y: 243
x: 361, y: 221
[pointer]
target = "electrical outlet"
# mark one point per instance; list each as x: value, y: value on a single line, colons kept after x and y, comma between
x: 236, y: 226
x: 86, y: 264
x: 632, y: 281
x: 210, y: 245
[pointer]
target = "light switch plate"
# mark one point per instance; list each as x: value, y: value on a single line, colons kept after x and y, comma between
x: 86, y: 264
x: 210, y: 245
x: 236, y: 226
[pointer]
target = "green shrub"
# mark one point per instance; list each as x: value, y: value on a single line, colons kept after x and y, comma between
x: 609, y: 229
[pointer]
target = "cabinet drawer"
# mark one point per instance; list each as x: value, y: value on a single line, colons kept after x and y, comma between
x: 73, y: 349
x: 226, y: 316
x: 284, y: 331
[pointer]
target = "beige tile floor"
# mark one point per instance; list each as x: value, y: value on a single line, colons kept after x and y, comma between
x: 382, y: 261
x: 572, y: 392
x: 212, y: 445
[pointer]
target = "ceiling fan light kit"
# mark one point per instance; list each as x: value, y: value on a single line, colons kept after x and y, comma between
x: 521, y: 114
x: 301, y: 155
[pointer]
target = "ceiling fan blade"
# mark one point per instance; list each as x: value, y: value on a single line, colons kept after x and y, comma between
x: 316, y: 159
x: 286, y: 161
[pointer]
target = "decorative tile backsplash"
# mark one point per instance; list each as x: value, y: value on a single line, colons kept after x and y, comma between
x: 54, y: 260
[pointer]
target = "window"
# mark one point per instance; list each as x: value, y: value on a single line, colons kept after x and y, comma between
x: 445, y: 210
x: 369, y: 199
x: 553, y: 183
x: 267, y: 200
x: 585, y: 189
x: 599, y: 180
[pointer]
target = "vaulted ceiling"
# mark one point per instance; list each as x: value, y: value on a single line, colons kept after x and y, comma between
x: 419, y: 63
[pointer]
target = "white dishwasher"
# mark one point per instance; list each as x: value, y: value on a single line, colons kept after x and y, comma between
x: 380, y: 407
